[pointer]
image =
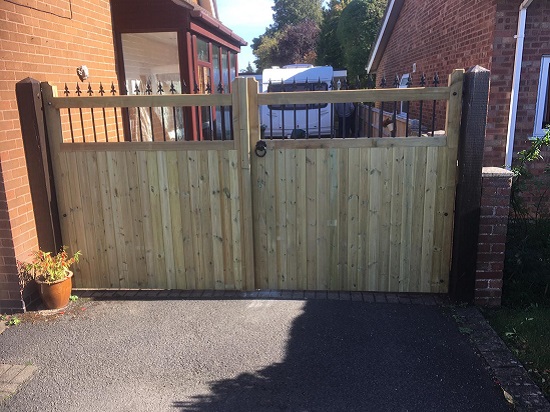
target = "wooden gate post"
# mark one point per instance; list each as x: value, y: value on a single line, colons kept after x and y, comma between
x: 243, y: 121
x: 468, y: 191
x: 39, y: 167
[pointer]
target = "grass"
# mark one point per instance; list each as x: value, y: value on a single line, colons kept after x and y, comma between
x: 527, y: 334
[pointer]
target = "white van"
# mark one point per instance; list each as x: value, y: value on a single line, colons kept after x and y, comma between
x: 301, y: 120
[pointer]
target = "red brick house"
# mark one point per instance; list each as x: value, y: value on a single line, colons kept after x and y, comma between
x: 48, y: 40
x: 508, y: 37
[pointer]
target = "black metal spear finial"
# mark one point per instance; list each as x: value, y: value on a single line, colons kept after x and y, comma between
x: 172, y: 88
x: 148, y: 89
x: 357, y: 82
x: 410, y: 81
x: 208, y: 89
x: 160, y: 90
x: 136, y: 89
x: 113, y: 90
x: 370, y: 82
x: 196, y: 89
x: 66, y: 91
x: 220, y: 88
x: 90, y: 91
x: 101, y: 89
x: 396, y: 81
x: 436, y: 79
x: 423, y: 80
x: 78, y: 91
x: 383, y: 82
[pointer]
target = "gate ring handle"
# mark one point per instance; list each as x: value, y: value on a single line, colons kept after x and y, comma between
x: 261, y: 148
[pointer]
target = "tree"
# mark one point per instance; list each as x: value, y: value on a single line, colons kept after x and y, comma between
x: 306, y: 15
x: 357, y: 29
x: 330, y: 51
x: 298, y: 43
x: 291, y: 12
x: 248, y: 69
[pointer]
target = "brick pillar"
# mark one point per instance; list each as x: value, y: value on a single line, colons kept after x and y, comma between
x: 493, y: 225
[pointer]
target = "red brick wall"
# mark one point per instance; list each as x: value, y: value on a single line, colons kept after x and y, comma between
x: 439, y: 37
x: 46, y: 42
x: 493, y: 225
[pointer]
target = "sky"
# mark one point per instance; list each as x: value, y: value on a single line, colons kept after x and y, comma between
x: 247, y: 19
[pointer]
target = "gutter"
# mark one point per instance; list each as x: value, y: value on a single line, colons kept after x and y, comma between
x: 520, y: 37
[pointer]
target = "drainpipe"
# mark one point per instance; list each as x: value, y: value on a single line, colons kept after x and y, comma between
x: 520, y: 36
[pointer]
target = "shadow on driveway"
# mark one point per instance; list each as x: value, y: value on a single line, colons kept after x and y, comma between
x: 353, y: 356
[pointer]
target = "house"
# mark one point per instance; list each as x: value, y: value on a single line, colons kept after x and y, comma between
x: 126, y: 42
x: 510, y: 39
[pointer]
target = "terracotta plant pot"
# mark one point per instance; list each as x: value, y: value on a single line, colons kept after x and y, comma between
x: 56, y: 295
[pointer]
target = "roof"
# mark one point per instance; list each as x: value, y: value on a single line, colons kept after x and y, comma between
x: 388, y: 23
x: 210, y: 18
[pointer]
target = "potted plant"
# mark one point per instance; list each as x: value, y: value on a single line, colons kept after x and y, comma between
x: 53, y: 275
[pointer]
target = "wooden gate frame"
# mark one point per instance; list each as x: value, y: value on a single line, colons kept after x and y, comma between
x: 246, y: 121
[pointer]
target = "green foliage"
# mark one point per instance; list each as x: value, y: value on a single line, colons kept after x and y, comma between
x: 293, y: 35
x: 48, y: 268
x: 291, y: 12
x: 527, y: 260
x: 73, y: 298
x: 523, y: 178
x: 330, y: 51
x: 14, y: 321
x: 527, y: 333
x: 357, y: 30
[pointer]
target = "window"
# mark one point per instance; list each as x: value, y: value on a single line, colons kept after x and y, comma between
x: 297, y: 87
x: 542, y: 116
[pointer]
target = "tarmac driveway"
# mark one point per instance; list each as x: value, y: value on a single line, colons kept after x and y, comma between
x: 248, y: 355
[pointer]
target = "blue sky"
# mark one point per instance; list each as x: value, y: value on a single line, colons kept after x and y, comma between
x: 247, y: 19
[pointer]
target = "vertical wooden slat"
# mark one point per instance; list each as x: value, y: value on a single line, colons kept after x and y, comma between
x: 345, y: 282
x: 271, y: 220
x: 259, y: 180
x: 281, y: 220
x: 312, y: 221
x: 396, y: 216
x: 146, y: 219
x: 177, y: 243
x: 187, y: 219
x: 166, y: 222
x: 236, y: 221
x: 218, y: 236
x: 322, y: 238
x: 139, y: 278
x: 301, y: 220
x: 291, y: 222
x: 372, y: 253
x: 429, y: 218
x: 419, y: 189
x: 225, y: 199
x: 159, y: 275
x: 334, y: 280
x: 204, y: 212
x: 385, y: 219
x: 353, y: 201
x: 406, y: 226
x: 98, y: 230
x: 363, y: 221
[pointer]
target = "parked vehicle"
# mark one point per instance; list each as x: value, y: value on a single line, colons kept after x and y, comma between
x: 302, y: 120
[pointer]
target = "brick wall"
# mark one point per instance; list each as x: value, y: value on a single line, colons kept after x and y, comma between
x: 453, y: 34
x: 493, y: 225
x: 46, y: 41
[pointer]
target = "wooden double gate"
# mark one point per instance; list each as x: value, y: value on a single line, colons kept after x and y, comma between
x: 312, y: 214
